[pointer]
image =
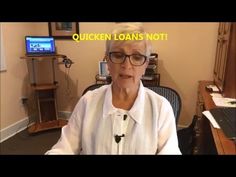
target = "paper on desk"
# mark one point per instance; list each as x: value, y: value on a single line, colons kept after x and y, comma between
x: 211, y: 119
x: 224, y: 102
x: 216, y: 95
x: 213, y: 88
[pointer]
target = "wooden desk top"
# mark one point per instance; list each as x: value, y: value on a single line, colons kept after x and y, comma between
x: 223, y: 144
x: 43, y: 57
x: 44, y: 86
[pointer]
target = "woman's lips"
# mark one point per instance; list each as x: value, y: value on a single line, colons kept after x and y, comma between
x: 125, y: 76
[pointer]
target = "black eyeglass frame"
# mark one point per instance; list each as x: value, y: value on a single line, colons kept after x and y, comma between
x: 125, y: 56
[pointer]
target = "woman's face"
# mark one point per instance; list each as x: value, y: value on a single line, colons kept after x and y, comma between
x: 126, y: 75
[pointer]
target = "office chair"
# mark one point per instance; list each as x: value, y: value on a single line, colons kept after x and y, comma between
x: 92, y: 87
x: 172, y: 96
x: 186, y: 136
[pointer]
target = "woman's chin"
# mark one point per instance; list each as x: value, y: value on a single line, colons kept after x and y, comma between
x: 126, y: 83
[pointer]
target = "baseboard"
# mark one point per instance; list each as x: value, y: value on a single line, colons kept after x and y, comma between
x: 179, y: 127
x: 13, y: 129
x: 22, y: 124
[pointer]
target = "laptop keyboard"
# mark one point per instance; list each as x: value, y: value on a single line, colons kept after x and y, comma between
x: 226, y: 118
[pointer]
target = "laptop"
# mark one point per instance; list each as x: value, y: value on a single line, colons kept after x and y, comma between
x: 40, y: 46
x: 226, y: 118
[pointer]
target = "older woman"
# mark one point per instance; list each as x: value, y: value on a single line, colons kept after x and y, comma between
x: 123, y: 117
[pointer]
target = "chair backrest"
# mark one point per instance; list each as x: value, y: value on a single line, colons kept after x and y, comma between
x: 172, y: 96
x: 92, y: 87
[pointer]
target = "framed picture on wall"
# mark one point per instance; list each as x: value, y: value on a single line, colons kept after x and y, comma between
x: 63, y: 30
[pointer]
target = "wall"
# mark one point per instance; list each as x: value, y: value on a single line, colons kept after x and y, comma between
x: 85, y: 56
x: 186, y: 57
x: 13, y: 81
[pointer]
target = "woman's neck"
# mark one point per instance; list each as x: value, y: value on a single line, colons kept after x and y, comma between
x: 124, y: 97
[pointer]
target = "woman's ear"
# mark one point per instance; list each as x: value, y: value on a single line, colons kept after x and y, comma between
x: 108, y: 66
x: 146, y: 64
x: 105, y: 58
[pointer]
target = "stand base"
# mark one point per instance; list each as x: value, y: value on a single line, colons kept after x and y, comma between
x: 43, y: 126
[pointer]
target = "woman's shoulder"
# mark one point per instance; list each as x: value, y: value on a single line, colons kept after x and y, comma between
x: 91, y: 97
x: 96, y: 92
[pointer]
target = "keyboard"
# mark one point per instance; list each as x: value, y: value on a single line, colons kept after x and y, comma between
x: 226, y: 118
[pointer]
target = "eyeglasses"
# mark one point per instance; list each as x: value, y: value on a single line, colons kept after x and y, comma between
x: 135, y: 59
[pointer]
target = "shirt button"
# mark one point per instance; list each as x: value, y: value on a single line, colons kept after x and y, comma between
x: 125, y: 117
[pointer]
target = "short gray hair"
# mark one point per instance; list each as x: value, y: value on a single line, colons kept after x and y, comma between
x: 128, y: 28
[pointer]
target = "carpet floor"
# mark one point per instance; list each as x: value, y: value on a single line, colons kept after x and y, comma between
x: 24, y: 143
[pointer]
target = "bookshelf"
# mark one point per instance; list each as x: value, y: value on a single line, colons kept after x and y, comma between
x: 151, y: 76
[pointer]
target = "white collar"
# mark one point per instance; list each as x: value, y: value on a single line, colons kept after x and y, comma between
x: 136, y: 110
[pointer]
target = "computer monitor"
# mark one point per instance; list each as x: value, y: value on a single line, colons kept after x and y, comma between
x: 103, y: 70
x: 40, y: 45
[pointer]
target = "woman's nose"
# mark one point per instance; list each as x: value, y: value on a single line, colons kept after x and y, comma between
x: 127, y: 63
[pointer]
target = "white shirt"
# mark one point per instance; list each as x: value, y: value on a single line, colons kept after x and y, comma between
x: 149, y: 127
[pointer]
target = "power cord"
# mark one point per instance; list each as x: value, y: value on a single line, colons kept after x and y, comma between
x: 68, y: 62
x: 67, y: 73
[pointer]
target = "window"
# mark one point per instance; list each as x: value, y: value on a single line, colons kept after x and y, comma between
x: 2, y: 57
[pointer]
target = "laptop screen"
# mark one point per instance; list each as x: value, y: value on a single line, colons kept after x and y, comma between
x: 39, y: 45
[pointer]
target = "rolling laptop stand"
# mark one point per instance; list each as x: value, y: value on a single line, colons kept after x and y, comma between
x: 45, y: 97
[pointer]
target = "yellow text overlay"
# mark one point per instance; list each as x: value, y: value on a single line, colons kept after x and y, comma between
x: 123, y: 37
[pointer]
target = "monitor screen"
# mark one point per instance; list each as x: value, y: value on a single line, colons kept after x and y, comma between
x: 103, y: 70
x: 39, y: 45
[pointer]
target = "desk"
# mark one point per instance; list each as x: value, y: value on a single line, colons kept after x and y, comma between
x: 222, y: 144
